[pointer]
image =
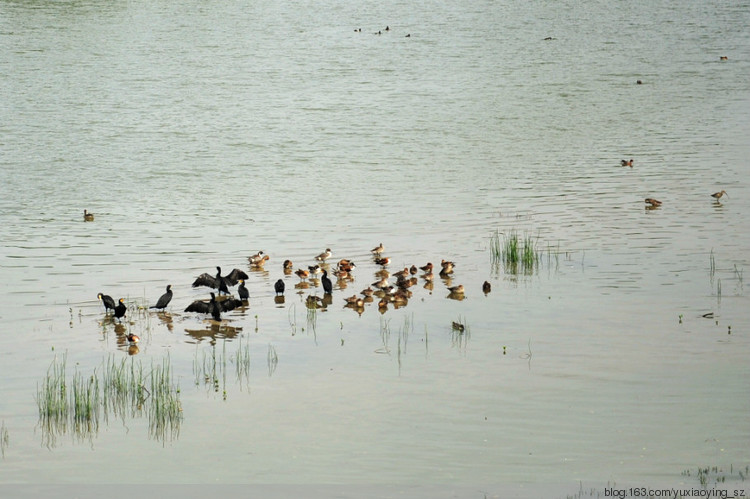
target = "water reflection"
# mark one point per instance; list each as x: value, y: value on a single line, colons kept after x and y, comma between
x: 215, y: 330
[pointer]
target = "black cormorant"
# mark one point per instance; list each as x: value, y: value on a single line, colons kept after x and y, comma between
x: 220, y: 282
x: 164, y: 299
x: 279, y: 287
x: 214, y: 307
x: 109, y: 303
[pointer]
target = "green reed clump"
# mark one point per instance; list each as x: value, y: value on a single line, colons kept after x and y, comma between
x: 119, y: 389
x: 516, y: 253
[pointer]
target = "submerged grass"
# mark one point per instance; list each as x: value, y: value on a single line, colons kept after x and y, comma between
x: 118, y: 390
x: 4, y: 439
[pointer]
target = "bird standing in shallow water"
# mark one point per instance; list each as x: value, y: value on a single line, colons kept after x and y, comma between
x: 220, y: 282
x: 164, y: 299
x: 279, y: 287
x: 109, y: 303
x: 326, y: 282
x: 486, y: 287
x: 377, y: 250
x: 717, y: 195
x: 214, y: 307
x: 242, y: 291
x: 88, y: 217
x: 324, y: 256
x: 120, y: 309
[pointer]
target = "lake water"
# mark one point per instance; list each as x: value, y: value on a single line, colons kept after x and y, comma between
x: 201, y: 133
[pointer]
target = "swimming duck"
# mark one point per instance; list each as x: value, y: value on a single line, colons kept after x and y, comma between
x: 457, y: 290
x: 88, y: 217
x: 314, y: 270
x: 383, y: 261
x: 447, y: 267
x: 368, y: 291
x: 401, y: 274
x: 381, y: 284
x: 256, y: 257
x: 486, y: 287
x: 625, y: 162
x: 260, y: 261
x: 288, y: 265
x: 653, y: 202
x: 426, y: 268
x: 133, y: 338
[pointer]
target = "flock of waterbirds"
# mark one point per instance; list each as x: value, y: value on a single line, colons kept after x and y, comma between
x: 655, y: 203
x: 388, y: 293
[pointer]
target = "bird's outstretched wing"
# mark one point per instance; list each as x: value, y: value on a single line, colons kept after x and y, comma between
x: 206, y: 279
x: 234, y: 277
x: 199, y: 306
x: 228, y: 304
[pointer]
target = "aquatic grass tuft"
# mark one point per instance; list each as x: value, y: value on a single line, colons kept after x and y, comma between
x: 273, y: 360
x: 518, y: 255
x: 117, y: 389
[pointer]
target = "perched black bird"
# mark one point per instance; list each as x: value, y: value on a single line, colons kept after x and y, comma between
x: 327, y: 285
x: 120, y: 309
x: 109, y: 303
x: 279, y: 287
x: 242, y: 291
x: 164, y: 299
x: 220, y: 282
x: 214, y: 307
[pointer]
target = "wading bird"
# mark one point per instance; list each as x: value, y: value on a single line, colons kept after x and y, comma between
x: 220, y: 282
x: 279, y: 287
x: 88, y: 217
x: 164, y: 299
x: 717, y: 195
x: 109, y: 303
x: 214, y: 307
x: 120, y: 309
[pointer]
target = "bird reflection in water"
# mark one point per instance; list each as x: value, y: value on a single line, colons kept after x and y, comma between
x: 215, y: 330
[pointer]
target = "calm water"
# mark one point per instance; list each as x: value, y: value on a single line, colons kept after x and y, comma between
x: 199, y: 134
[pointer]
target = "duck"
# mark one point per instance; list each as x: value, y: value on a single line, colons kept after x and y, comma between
x: 352, y: 300
x: 342, y: 274
x: 367, y: 292
x: 346, y: 265
x: 288, y: 265
x: 133, y: 338
x: 381, y: 284
x: 413, y: 270
x: 164, y: 299
x: 429, y: 276
x: 426, y: 268
x: 457, y: 290
x: 717, y: 195
x: 88, y: 217
x: 220, y: 282
x: 653, y: 202
x: 258, y: 264
x: 107, y: 301
x: 120, y: 309
x: 279, y: 287
x: 723, y: 58
x: 447, y: 267
x: 314, y: 270
x: 213, y: 306
x: 402, y: 274
x: 383, y: 261
x: 626, y: 162
x: 377, y: 250
x: 325, y: 255
x: 258, y: 257
x: 242, y: 291
x: 486, y: 287
x: 302, y: 273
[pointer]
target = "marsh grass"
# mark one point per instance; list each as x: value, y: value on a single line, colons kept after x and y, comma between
x: 516, y: 254
x: 273, y: 360
x: 118, y: 389
x: 385, y: 336
x: 712, y: 476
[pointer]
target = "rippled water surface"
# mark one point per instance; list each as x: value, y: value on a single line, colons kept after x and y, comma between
x: 199, y: 134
